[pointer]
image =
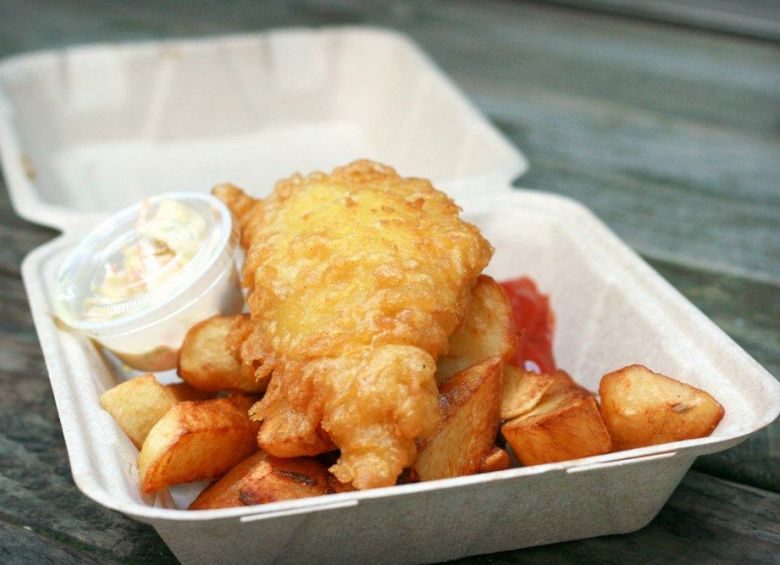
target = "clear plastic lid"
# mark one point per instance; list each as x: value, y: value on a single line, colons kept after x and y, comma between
x: 149, y: 256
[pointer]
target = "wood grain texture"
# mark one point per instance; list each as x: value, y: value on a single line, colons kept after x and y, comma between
x: 20, y: 544
x: 752, y: 18
x: 634, y: 122
x: 670, y: 135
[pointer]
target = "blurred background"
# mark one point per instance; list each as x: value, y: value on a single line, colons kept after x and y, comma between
x: 662, y: 117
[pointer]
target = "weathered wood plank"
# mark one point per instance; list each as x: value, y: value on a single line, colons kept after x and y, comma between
x: 675, y: 218
x: 754, y: 18
x: 692, y: 76
x: 17, y: 237
x: 656, y: 131
x: 21, y: 545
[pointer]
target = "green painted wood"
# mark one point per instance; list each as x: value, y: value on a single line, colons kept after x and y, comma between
x: 642, y: 123
x: 671, y: 136
x: 21, y: 545
x: 753, y: 18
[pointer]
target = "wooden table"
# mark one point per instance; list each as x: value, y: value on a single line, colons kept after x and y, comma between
x: 670, y: 134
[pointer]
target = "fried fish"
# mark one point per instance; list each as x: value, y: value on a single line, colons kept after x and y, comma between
x: 355, y: 282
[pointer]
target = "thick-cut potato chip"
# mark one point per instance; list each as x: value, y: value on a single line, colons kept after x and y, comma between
x: 284, y: 479
x: 263, y: 478
x: 336, y: 486
x: 136, y: 405
x: 642, y: 408
x: 497, y: 459
x: 562, y: 383
x: 224, y: 492
x: 522, y: 391
x: 182, y: 391
x: 564, y: 425
x: 207, y: 360
x: 195, y: 441
x: 470, y: 403
x: 487, y: 330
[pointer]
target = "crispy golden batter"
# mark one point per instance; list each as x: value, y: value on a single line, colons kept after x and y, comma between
x: 356, y: 280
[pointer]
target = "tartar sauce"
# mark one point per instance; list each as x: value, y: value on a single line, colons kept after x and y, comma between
x: 141, y: 278
x: 165, y: 238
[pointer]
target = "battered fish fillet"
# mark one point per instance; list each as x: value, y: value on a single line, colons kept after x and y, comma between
x: 355, y: 281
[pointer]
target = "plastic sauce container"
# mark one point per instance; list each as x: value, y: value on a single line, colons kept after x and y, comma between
x: 143, y: 277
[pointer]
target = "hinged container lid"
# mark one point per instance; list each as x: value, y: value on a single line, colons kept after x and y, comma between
x: 89, y: 130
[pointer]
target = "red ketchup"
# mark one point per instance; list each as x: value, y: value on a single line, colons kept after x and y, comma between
x: 535, y: 325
